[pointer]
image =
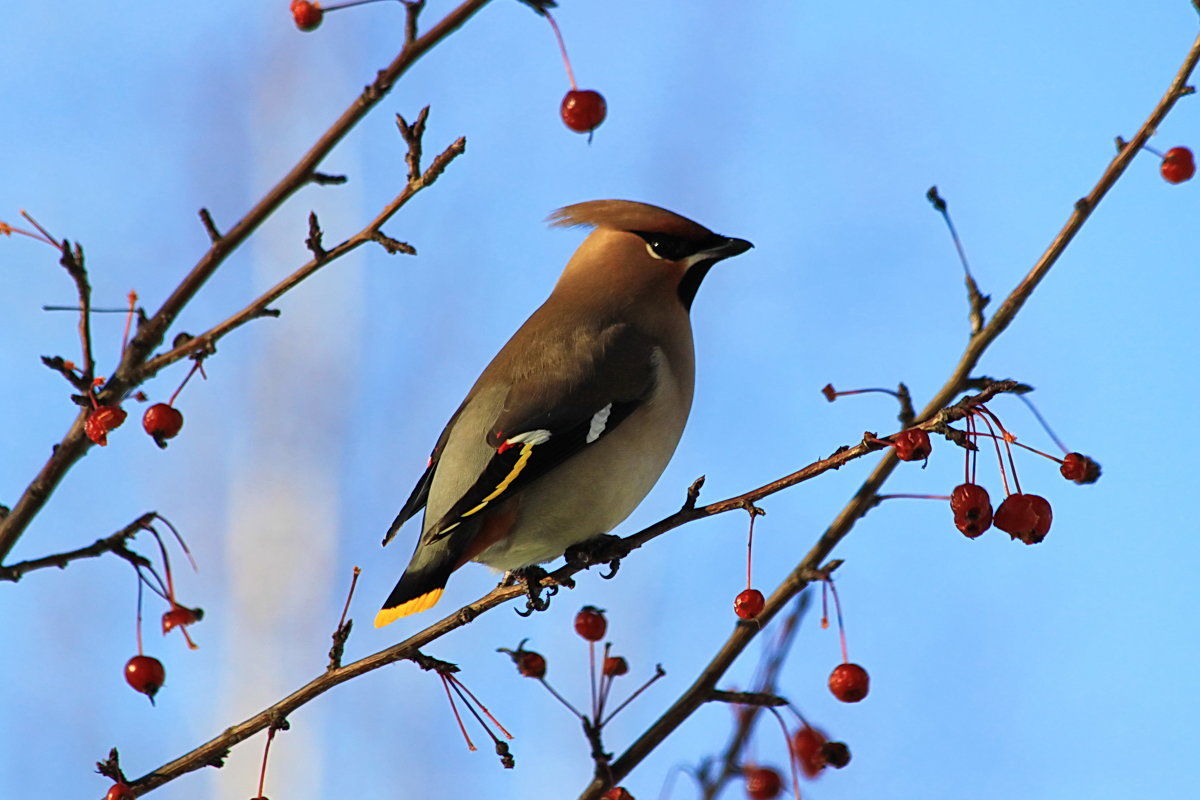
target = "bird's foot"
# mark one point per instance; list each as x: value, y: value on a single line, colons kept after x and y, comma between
x: 603, y: 549
x: 531, y: 577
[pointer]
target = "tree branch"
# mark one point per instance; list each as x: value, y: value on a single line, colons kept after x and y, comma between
x: 862, y: 500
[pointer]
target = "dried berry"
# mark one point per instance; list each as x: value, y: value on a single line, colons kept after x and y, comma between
x: 583, y: 110
x: 836, y: 754
x: 849, y: 682
x: 591, y: 624
x: 179, y: 616
x: 912, y: 445
x: 1024, y: 516
x: 615, y: 665
x: 531, y: 664
x: 972, y: 509
x: 762, y: 783
x: 1079, y: 468
x: 749, y: 604
x: 807, y: 749
x: 101, y: 420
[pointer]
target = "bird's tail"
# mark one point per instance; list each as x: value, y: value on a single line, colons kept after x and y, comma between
x: 418, y: 590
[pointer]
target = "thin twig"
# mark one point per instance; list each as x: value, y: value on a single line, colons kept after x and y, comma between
x: 133, y: 368
x: 114, y: 543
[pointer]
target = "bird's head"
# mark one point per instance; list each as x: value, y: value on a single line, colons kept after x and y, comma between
x: 637, y: 247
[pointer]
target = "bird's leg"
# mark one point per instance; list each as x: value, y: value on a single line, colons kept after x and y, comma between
x: 602, y: 549
x: 531, y: 577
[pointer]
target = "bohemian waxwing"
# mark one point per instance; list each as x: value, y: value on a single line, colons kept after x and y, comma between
x: 575, y: 419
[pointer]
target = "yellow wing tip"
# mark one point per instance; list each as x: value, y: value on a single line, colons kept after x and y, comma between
x: 387, y: 616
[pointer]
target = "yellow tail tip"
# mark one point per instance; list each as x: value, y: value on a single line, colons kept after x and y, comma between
x: 387, y: 616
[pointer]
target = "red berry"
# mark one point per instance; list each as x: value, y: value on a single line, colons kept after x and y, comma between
x: 1178, y: 165
x: 614, y: 666
x: 1079, y: 468
x: 912, y: 445
x: 583, y: 110
x: 849, y: 682
x: 807, y: 749
x: 145, y: 674
x: 102, y: 420
x: 119, y: 791
x: 531, y: 664
x: 590, y: 623
x: 179, y: 616
x: 972, y: 509
x: 162, y: 422
x: 762, y: 783
x: 749, y: 604
x: 836, y: 754
x: 306, y: 14
x: 616, y: 793
x: 1024, y: 516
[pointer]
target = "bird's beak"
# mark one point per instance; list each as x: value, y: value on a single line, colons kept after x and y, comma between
x: 728, y: 248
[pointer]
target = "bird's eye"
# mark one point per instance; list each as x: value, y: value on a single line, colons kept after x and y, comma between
x: 670, y: 248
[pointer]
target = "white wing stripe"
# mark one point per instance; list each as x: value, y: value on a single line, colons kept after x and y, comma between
x: 599, y: 420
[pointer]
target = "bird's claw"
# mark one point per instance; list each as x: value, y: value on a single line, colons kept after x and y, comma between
x: 531, y: 577
x: 603, y: 549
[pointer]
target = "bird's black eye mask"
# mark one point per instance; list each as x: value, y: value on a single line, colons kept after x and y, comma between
x: 675, y: 248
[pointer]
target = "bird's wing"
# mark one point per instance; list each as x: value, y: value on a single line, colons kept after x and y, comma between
x: 571, y: 394
x: 420, y: 493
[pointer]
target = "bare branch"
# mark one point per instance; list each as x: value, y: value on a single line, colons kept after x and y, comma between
x: 114, y: 543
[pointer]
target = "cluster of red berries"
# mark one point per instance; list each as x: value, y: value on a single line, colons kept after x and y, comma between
x: 592, y: 626
x: 1021, y: 515
x: 810, y: 750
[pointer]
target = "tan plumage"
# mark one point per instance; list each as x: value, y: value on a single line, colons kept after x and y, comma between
x: 574, y: 420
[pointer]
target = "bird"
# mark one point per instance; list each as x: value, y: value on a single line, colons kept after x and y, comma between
x: 573, y: 422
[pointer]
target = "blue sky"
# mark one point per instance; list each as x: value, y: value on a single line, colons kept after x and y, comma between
x: 812, y: 130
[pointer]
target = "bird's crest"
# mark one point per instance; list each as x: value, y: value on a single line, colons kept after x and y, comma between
x: 627, y: 215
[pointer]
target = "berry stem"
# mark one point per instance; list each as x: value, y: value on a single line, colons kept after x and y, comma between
x: 999, y: 455
x: 179, y: 538
x: 262, y: 773
x: 560, y: 698
x: 461, y: 688
x: 454, y: 708
x: 592, y: 673
x: 837, y: 605
x: 791, y: 755
x: 349, y: 4
x: 749, y: 549
x: 139, y: 613
x: 1023, y: 446
x: 658, y: 673
x: 1008, y: 440
x: 1045, y: 425
x: 606, y: 681
x: 563, y: 48
x: 195, y: 366
x: 128, y: 321
x: 912, y: 497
